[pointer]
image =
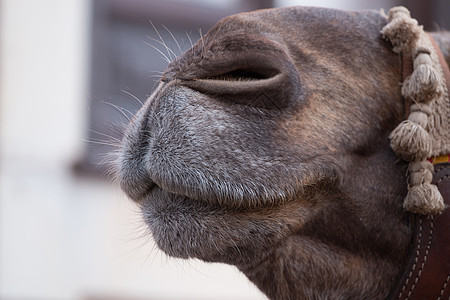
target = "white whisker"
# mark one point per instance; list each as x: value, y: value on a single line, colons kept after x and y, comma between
x: 203, y: 41
x: 162, y: 40
x: 105, y: 135
x: 164, y: 45
x: 133, y: 96
x: 156, y: 77
x: 160, y: 52
x: 157, y: 72
x: 104, y: 143
x: 179, y: 48
x: 190, y: 41
x: 121, y: 110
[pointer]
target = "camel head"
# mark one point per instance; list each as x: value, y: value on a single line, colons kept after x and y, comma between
x: 266, y: 146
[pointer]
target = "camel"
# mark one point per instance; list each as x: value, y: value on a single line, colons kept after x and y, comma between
x: 267, y: 146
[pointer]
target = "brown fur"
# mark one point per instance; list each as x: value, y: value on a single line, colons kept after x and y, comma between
x: 266, y: 147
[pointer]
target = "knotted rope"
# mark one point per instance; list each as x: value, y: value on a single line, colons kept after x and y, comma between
x: 425, y: 134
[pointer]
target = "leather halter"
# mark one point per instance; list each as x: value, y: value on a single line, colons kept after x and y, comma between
x: 426, y: 273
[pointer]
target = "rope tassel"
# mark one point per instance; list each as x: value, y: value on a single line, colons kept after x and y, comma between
x: 423, y: 84
x: 402, y: 30
x: 411, y: 140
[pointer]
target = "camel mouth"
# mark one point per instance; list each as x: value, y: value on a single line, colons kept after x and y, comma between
x: 185, y: 228
x: 181, y: 226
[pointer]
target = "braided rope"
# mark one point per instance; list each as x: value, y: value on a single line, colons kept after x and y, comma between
x: 426, y: 87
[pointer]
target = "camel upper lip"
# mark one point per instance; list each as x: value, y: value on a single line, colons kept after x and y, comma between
x: 133, y: 178
x: 135, y: 194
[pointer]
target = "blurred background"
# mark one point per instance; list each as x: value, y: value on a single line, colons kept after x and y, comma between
x: 71, y: 71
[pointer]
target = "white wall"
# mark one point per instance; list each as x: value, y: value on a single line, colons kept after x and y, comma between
x: 63, y: 237
x: 44, y: 78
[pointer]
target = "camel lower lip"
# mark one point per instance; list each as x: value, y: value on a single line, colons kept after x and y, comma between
x: 175, y: 222
x: 188, y: 228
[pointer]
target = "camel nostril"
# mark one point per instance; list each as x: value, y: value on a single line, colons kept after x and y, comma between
x: 256, y: 72
x: 267, y: 80
x: 274, y: 91
x: 243, y: 74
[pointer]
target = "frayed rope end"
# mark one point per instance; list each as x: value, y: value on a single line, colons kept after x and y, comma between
x: 424, y: 199
x: 411, y: 141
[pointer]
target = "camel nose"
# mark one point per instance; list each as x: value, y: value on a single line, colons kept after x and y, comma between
x: 264, y: 78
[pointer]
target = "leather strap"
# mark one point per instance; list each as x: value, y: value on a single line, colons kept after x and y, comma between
x: 426, y: 273
x: 427, y: 270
